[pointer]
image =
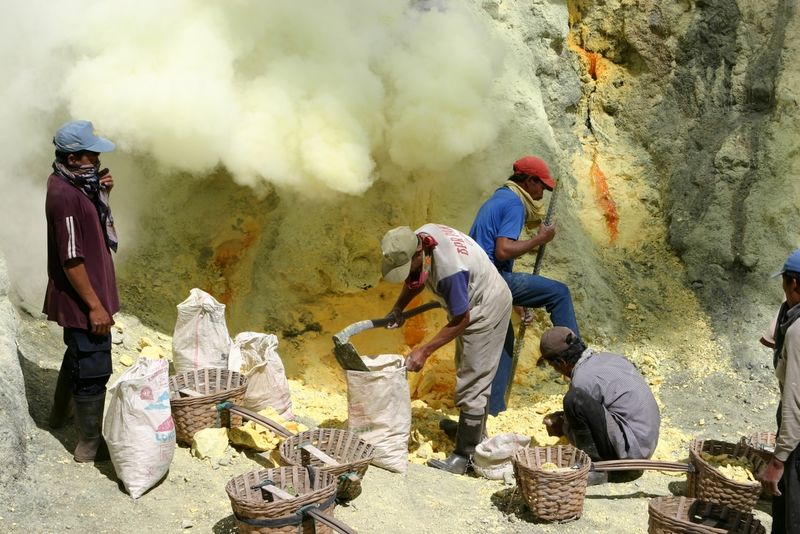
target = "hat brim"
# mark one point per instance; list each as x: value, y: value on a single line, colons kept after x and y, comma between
x: 395, y: 275
x: 548, y: 182
x: 101, y: 145
x: 776, y: 275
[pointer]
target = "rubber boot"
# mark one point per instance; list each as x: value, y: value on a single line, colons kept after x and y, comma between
x: 585, y: 442
x: 89, y: 420
x: 62, y: 399
x: 468, y: 435
x: 449, y: 427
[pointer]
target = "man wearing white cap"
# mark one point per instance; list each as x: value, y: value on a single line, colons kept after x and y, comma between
x: 455, y: 269
x: 81, y: 290
x: 497, y: 229
x: 781, y: 475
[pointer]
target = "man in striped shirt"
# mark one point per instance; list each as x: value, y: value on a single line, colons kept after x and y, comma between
x: 81, y: 290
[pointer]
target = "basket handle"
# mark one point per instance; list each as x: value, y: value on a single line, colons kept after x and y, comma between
x: 325, y: 519
x: 257, y: 417
x: 629, y: 465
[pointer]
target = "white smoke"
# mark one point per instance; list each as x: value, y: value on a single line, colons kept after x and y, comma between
x: 315, y: 96
x: 304, y: 94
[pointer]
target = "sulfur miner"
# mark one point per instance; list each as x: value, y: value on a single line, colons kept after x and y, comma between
x: 478, y: 302
x: 781, y: 476
x: 609, y: 411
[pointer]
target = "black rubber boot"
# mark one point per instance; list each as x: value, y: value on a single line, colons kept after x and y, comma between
x: 468, y: 435
x: 89, y: 420
x: 449, y: 427
x: 62, y: 399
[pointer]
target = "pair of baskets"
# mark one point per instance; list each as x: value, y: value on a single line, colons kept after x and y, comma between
x: 339, y: 453
x: 682, y: 515
x: 557, y: 494
x: 288, y: 500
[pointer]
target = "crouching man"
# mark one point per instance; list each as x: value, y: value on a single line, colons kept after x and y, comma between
x: 478, y: 302
x: 609, y: 411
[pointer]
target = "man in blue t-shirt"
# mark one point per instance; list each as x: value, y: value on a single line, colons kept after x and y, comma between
x: 497, y: 229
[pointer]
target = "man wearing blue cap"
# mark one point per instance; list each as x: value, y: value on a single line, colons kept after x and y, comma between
x: 81, y: 289
x: 781, y: 476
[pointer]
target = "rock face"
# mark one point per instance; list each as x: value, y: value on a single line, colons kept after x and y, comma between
x: 14, y: 418
x: 711, y: 99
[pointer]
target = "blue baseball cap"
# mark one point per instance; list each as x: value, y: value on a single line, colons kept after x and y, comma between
x: 792, y: 264
x: 75, y: 136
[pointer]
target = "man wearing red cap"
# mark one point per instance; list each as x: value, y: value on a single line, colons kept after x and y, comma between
x: 497, y: 228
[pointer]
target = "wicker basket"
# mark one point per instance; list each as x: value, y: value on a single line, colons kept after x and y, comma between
x: 708, y: 484
x: 351, y: 452
x: 762, y: 444
x: 196, y: 413
x: 681, y: 515
x: 254, y: 514
x: 552, y: 495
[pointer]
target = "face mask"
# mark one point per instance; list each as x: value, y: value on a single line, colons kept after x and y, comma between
x: 423, y: 273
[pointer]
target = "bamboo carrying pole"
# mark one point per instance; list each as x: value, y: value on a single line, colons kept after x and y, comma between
x: 520, y: 340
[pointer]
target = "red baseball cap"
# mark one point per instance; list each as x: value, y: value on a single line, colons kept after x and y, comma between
x: 536, y: 167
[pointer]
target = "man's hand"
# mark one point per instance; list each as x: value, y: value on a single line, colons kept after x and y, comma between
x: 770, y: 475
x: 554, y: 423
x: 525, y: 314
x: 416, y: 360
x: 395, y: 318
x: 100, y: 321
x: 106, y: 180
x: 546, y: 233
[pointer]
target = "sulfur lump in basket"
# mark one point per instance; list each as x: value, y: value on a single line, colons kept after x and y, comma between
x: 738, y: 469
x: 254, y: 436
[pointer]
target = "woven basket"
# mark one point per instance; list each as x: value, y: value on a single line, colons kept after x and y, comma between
x: 552, y: 495
x: 708, y: 484
x: 681, y: 515
x: 348, y: 449
x: 762, y: 444
x: 196, y: 413
x: 281, y: 515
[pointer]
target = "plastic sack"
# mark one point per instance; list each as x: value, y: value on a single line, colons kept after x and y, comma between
x: 379, y: 409
x: 138, y: 426
x: 492, y: 458
x: 256, y: 356
x: 201, y: 336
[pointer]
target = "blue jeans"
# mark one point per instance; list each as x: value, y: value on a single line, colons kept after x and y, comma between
x: 530, y: 291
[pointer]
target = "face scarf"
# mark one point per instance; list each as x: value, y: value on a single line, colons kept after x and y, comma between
x: 534, y: 209
x: 86, y: 179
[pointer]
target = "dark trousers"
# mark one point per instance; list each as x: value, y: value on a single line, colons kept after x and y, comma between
x: 587, y: 417
x: 529, y: 291
x: 786, y: 507
x: 88, y: 359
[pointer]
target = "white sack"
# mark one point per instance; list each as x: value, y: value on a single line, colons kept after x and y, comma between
x: 379, y: 409
x: 201, y: 336
x: 138, y: 426
x: 492, y: 458
x: 256, y: 356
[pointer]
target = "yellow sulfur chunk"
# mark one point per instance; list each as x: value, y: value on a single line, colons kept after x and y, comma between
x: 738, y: 469
x: 252, y: 436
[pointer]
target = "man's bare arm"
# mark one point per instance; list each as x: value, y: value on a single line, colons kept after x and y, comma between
x: 99, y: 319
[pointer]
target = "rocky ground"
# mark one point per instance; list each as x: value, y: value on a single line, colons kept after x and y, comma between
x: 54, y: 494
